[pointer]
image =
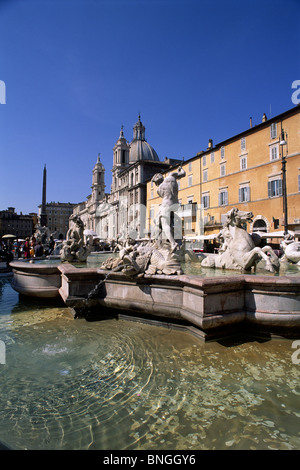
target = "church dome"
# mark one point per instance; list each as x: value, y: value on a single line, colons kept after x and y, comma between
x: 139, y: 147
x: 141, y: 150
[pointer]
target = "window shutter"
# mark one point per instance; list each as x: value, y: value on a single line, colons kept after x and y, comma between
x: 248, y: 193
x: 269, y: 189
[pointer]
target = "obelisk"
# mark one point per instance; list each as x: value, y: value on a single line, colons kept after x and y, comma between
x: 43, y: 217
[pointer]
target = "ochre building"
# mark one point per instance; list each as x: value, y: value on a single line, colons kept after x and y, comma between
x: 244, y: 171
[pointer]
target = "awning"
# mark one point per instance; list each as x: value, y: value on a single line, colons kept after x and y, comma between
x: 201, y: 237
x: 279, y: 234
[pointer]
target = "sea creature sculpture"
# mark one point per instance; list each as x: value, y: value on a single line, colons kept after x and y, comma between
x: 238, y: 248
x: 291, y: 250
x: 146, y: 258
x: 73, y: 247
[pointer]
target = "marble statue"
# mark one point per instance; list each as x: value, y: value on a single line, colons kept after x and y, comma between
x: 42, y: 234
x: 238, y: 248
x: 165, y: 220
x: 142, y: 258
x: 73, y: 248
x: 291, y: 250
x: 162, y: 254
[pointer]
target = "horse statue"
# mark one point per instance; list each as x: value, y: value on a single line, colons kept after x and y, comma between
x: 291, y: 250
x: 239, y: 249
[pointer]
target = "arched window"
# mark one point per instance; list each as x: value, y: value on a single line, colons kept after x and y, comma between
x: 260, y: 226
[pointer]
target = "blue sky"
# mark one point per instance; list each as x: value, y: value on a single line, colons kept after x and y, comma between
x: 76, y: 70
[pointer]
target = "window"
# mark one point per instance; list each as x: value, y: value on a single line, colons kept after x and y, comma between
x: 260, y: 225
x: 205, y: 201
x: 274, y: 154
x: 243, y: 162
x: 204, y: 160
x: 178, y: 184
x: 188, y: 223
x: 243, y: 143
x: 190, y: 180
x: 190, y: 166
x: 223, y: 197
x: 275, y: 188
x: 244, y: 194
x: 205, y: 177
x: 223, y: 169
x: 273, y: 130
x: 222, y: 152
x: 190, y: 199
x: 212, y: 157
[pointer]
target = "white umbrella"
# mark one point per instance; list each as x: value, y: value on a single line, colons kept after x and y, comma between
x: 89, y: 232
x: 9, y: 235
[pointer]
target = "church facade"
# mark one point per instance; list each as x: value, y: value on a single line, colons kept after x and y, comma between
x: 122, y: 212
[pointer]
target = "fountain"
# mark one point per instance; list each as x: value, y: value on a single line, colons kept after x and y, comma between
x: 150, y: 384
x: 121, y: 385
x: 146, y: 279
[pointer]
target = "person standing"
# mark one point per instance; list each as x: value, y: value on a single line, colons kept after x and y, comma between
x: 38, y: 250
x: 26, y: 249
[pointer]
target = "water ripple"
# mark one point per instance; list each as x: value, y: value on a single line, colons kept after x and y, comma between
x: 114, y: 384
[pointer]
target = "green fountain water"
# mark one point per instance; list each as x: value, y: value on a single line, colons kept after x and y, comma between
x: 116, y: 384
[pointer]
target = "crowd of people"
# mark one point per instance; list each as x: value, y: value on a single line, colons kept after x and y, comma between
x: 28, y: 248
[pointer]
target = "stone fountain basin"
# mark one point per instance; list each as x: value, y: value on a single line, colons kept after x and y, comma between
x: 211, y: 305
x: 36, y: 279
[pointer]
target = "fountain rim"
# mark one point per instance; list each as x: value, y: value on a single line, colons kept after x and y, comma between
x: 236, y: 277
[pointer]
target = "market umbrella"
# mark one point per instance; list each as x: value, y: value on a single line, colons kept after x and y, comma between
x: 89, y: 232
x: 9, y: 235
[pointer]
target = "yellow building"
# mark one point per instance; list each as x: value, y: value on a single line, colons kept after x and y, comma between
x: 244, y: 171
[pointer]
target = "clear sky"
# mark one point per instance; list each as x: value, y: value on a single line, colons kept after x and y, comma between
x: 76, y: 70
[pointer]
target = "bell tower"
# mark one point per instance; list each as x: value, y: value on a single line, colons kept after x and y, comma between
x: 98, y: 183
x: 121, y: 151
